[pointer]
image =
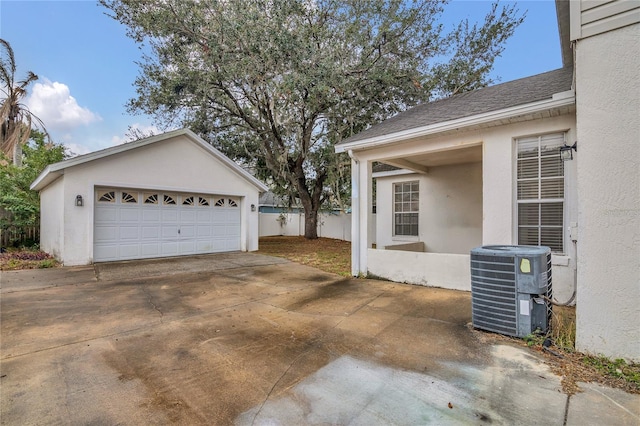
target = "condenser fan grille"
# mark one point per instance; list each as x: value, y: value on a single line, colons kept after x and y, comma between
x: 493, y: 294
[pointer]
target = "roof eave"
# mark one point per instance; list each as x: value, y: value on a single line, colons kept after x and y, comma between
x: 558, y: 100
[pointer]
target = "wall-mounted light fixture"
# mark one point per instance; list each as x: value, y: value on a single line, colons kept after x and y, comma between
x: 79, y: 201
x: 253, y: 207
x: 566, y: 151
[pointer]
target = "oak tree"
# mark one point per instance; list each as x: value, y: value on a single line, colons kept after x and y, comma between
x: 277, y: 83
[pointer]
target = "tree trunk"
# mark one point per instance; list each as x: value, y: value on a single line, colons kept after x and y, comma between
x: 311, y: 224
x: 310, y: 197
x: 17, y: 155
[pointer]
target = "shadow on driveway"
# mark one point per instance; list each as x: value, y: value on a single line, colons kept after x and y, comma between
x: 250, y: 339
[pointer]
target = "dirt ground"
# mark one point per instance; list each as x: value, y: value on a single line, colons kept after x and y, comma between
x: 335, y: 256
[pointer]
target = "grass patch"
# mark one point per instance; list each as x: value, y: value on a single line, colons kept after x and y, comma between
x: 563, y: 327
x: 577, y: 367
x: 617, y: 368
x: 16, y: 259
x: 326, y: 254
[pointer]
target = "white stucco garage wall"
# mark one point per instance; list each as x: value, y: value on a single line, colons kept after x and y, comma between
x: 52, y: 218
x: 608, y: 108
x: 175, y: 164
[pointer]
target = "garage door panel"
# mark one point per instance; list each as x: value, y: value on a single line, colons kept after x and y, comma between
x: 109, y: 252
x: 219, y: 216
x: 233, y: 231
x: 187, y: 247
x: 156, y: 227
x: 169, y: 215
x: 150, y: 232
x: 187, y: 231
x: 204, y: 246
x: 232, y: 245
x: 107, y: 214
x: 187, y: 216
x: 129, y: 251
x: 219, y: 244
x: 150, y: 249
x: 169, y: 231
x: 149, y: 215
x: 106, y: 233
x: 219, y: 230
x: 232, y: 216
x: 204, y: 231
x: 203, y: 216
x: 129, y: 214
x: 169, y: 248
x: 128, y: 233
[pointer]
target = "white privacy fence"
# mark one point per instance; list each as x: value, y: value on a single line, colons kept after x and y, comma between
x: 336, y: 226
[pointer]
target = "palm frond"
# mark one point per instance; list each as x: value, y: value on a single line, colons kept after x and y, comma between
x: 7, y: 74
x: 31, y: 77
x: 16, y: 119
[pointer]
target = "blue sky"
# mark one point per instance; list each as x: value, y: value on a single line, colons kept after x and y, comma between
x: 87, y: 68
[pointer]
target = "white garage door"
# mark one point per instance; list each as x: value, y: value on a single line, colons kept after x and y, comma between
x: 130, y: 224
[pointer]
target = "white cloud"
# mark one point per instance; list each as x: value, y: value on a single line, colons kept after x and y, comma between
x: 77, y: 149
x: 54, y: 105
x: 135, y: 131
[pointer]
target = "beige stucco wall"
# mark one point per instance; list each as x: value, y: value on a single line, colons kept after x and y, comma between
x: 51, y: 218
x: 452, y: 271
x: 608, y: 108
x: 176, y: 164
x: 450, y: 217
x: 496, y: 176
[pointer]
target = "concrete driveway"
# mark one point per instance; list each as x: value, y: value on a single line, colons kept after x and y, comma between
x: 248, y: 339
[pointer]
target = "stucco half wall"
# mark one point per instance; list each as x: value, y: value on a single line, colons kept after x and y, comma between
x: 177, y: 161
x: 452, y: 271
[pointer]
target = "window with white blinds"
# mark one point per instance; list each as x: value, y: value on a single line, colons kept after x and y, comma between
x: 540, y: 186
x: 405, y: 208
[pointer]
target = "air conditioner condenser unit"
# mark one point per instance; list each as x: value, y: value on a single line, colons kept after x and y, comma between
x: 511, y: 289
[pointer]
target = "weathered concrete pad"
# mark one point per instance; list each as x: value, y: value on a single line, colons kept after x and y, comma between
x: 603, y: 406
x: 134, y: 269
x: 273, y: 343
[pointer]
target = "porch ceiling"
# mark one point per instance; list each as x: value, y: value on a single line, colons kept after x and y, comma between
x: 471, y: 154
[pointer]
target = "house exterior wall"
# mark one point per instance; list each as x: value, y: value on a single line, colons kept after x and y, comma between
x: 176, y: 164
x: 608, y: 108
x: 497, y: 204
x: 450, y: 210
x: 51, y: 218
x: 589, y: 18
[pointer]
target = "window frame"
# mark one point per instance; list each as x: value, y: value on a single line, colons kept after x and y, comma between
x: 411, y: 213
x: 540, y: 200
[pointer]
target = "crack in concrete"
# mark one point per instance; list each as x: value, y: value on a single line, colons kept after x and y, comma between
x: 566, y: 411
x: 150, y: 301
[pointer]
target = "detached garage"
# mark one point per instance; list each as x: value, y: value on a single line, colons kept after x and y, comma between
x: 167, y: 195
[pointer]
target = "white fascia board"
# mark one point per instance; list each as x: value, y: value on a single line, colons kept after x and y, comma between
x: 392, y: 173
x: 558, y: 100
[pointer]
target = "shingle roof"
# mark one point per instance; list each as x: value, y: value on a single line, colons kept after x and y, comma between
x: 382, y: 167
x: 493, y: 98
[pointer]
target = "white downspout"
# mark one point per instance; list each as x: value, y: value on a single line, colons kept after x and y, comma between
x: 355, y: 215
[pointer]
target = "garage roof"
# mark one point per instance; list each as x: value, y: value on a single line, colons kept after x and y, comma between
x: 54, y: 171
